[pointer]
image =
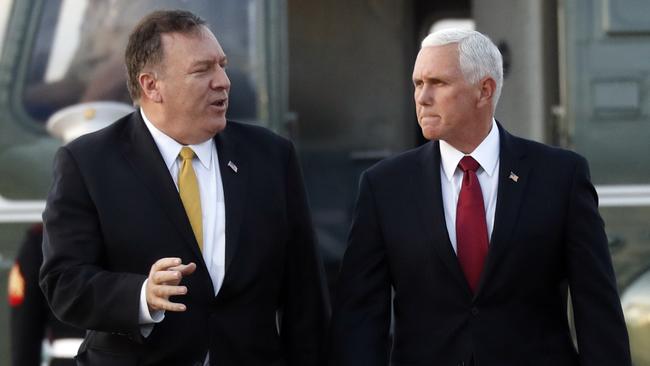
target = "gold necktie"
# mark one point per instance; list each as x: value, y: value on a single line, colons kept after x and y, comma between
x: 188, y: 188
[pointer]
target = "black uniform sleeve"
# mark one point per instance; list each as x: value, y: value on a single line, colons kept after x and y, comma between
x: 28, y: 314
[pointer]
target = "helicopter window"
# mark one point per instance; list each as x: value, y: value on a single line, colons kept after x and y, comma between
x: 79, y: 49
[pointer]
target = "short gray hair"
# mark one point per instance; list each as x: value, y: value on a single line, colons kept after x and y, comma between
x: 478, y: 55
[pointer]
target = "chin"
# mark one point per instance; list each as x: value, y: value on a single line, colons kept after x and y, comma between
x: 429, y: 134
x: 208, y: 129
x: 218, y: 125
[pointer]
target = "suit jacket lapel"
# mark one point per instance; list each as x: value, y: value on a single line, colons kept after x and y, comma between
x: 141, y: 152
x: 234, y: 176
x: 428, y: 195
x: 510, y: 195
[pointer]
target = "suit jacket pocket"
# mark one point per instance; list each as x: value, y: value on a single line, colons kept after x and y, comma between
x: 106, y: 349
x: 556, y: 350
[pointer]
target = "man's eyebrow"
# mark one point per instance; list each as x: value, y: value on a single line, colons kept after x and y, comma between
x: 210, y: 62
x: 202, y: 63
x: 428, y: 79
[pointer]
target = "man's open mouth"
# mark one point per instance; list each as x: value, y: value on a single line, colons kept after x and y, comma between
x: 220, y: 102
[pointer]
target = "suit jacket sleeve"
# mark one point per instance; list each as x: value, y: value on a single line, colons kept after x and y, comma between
x: 78, y: 288
x: 361, y: 317
x: 305, y: 305
x: 602, y: 336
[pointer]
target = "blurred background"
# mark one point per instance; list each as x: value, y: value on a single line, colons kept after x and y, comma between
x: 335, y: 77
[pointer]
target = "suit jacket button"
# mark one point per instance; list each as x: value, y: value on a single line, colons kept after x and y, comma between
x: 474, y: 311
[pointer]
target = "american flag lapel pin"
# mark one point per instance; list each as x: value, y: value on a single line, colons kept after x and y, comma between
x: 514, y: 177
x: 232, y: 166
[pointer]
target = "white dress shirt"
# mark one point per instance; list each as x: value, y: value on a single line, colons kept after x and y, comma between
x: 451, y: 177
x: 206, y: 168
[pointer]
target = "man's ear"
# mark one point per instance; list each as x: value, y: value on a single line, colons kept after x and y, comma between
x: 150, y: 86
x: 487, y: 88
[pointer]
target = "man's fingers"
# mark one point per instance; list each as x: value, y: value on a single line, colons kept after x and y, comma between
x: 170, y: 271
x: 165, y: 263
x: 184, y: 269
x: 162, y: 304
x: 167, y: 277
x: 165, y: 274
x: 165, y: 291
x: 158, y: 297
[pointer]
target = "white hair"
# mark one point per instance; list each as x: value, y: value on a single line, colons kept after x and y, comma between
x: 478, y: 56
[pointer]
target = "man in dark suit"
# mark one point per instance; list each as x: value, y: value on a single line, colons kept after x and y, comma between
x: 473, y: 237
x: 178, y: 238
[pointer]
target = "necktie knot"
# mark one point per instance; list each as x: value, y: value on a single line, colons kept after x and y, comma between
x: 468, y: 163
x: 187, y: 153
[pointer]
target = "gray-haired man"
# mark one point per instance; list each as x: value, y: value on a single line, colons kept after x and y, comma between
x: 476, y: 235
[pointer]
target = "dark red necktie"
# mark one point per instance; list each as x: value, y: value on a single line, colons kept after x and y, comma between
x: 471, y: 228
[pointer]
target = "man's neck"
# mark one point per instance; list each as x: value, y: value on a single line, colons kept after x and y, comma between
x: 157, y: 118
x: 474, y: 136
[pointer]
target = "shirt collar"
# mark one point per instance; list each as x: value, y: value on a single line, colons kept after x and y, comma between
x: 170, y: 148
x: 486, y: 154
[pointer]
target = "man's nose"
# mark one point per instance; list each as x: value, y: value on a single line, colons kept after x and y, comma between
x: 220, y: 79
x: 424, y: 96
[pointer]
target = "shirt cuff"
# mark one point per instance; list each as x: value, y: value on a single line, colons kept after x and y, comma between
x: 146, y: 319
